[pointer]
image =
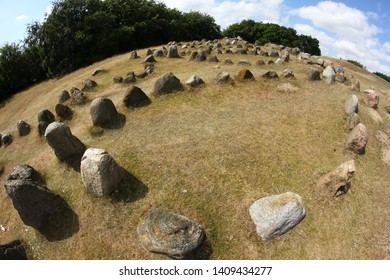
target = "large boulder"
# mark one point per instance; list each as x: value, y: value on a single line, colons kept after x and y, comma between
x: 194, y: 81
x: 135, y: 97
x: 66, y: 146
x: 167, y: 83
x: 13, y: 251
x: 371, y: 99
x: 357, y: 139
x: 23, y: 128
x: 103, y: 112
x: 351, y: 104
x: 46, y: 116
x: 88, y: 84
x: 64, y: 112
x: 329, y: 75
x: 338, y: 181
x: 99, y: 172
x: 168, y: 233
x: 173, y: 52
x: 35, y: 203
x: 274, y: 215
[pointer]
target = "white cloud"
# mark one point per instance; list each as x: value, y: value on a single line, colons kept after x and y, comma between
x: 22, y: 18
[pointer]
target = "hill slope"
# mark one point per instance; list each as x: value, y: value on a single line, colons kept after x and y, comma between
x: 208, y: 154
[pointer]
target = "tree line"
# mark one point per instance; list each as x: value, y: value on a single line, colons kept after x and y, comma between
x: 80, y: 32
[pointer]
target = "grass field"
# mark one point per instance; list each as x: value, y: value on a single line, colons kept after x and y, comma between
x: 208, y: 154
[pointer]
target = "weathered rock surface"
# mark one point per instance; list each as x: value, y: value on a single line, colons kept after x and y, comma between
x: 223, y: 77
x: 168, y: 233
x: 98, y: 71
x: 100, y: 173
x: 103, y: 112
x: 313, y: 75
x: 167, y: 83
x: 338, y: 181
x: 244, y: 75
x: 194, y: 81
x: 64, y: 112
x: 130, y: 78
x: 274, y: 215
x: 351, y: 104
x: 329, y: 75
x: 65, y: 145
x: 288, y: 74
x: 34, y: 202
x: 371, y: 99
x: 357, y: 139
x: 46, y: 116
x: 13, y: 251
x: 88, y: 84
x: 117, y: 79
x: 135, y: 97
x: 78, y: 96
x: 23, y: 128
x: 270, y: 75
x: 149, y: 58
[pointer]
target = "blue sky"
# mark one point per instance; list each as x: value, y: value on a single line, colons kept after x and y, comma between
x: 358, y: 30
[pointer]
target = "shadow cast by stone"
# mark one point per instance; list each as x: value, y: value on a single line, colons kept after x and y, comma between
x: 203, y: 252
x: 130, y: 190
x: 61, y: 225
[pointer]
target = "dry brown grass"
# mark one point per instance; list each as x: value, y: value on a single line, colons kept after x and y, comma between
x: 208, y: 154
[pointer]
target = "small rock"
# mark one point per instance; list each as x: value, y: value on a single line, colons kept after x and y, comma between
x: 340, y: 77
x: 23, y: 128
x: 117, y: 79
x: 357, y: 139
x: 42, y: 128
x: 201, y: 56
x: 270, y: 75
x: 149, y: 58
x: 313, y: 75
x: 100, y: 173
x: 355, y: 85
x: 98, y: 71
x: 194, y: 81
x: 158, y: 53
x: 223, y: 77
x: 279, y: 61
x: 135, y: 97
x: 260, y: 62
x: 168, y: 233
x: 213, y: 58
x: 288, y: 74
x: 339, y: 69
x: 338, y: 181
x: 244, y: 62
x: 130, y: 78
x: 134, y: 55
x: 7, y: 139
x: 78, y: 96
x: 270, y: 62
x: 275, y: 215
x: 228, y: 61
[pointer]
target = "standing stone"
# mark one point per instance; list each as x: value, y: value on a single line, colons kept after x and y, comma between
x: 46, y: 116
x: 340, y: 77
x: 42, y: 128
x: 260, y: 62
x: 228, y: 61
x: 314, y: 75
x: 338, y: 181
x: 194, y: 81
x: 134, y: 55
x: 245, y: 74
x: 201, y: 56
x: 329, y: 75
x: 270, y: 62
x: 103, y: 112
x: 66, y: 146
x: 64, y: 96
x: 7, y: 139
x: 351, y: 104
x: 357, y: 139
x: 77, y: 96
x: 270, y: 75
x: 274, y: 215
x: 339, y: 69
x: 167, y: 83
x: 355, y: 85
x: 99, y: 172
x: 64, y: 112
x: 35, y: 203
x: 193, y: 55
x: 288, y: 74
x: 23, y: 128
x: 353, y: 120
x: 129, y: 79
x: 279, y: 61
x: 158, y: 53
x: 88, y: 84
x: 13, y: 251
x: 168, y: 233
x: 135, y: 97
x: 173, y: 52
x: 371, y: 99
x: 223, y: 77
x: 149, y: 52
x: 213, y: 58
x: 149, y: 58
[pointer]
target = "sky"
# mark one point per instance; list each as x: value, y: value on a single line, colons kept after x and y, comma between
x: 347, y: 29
